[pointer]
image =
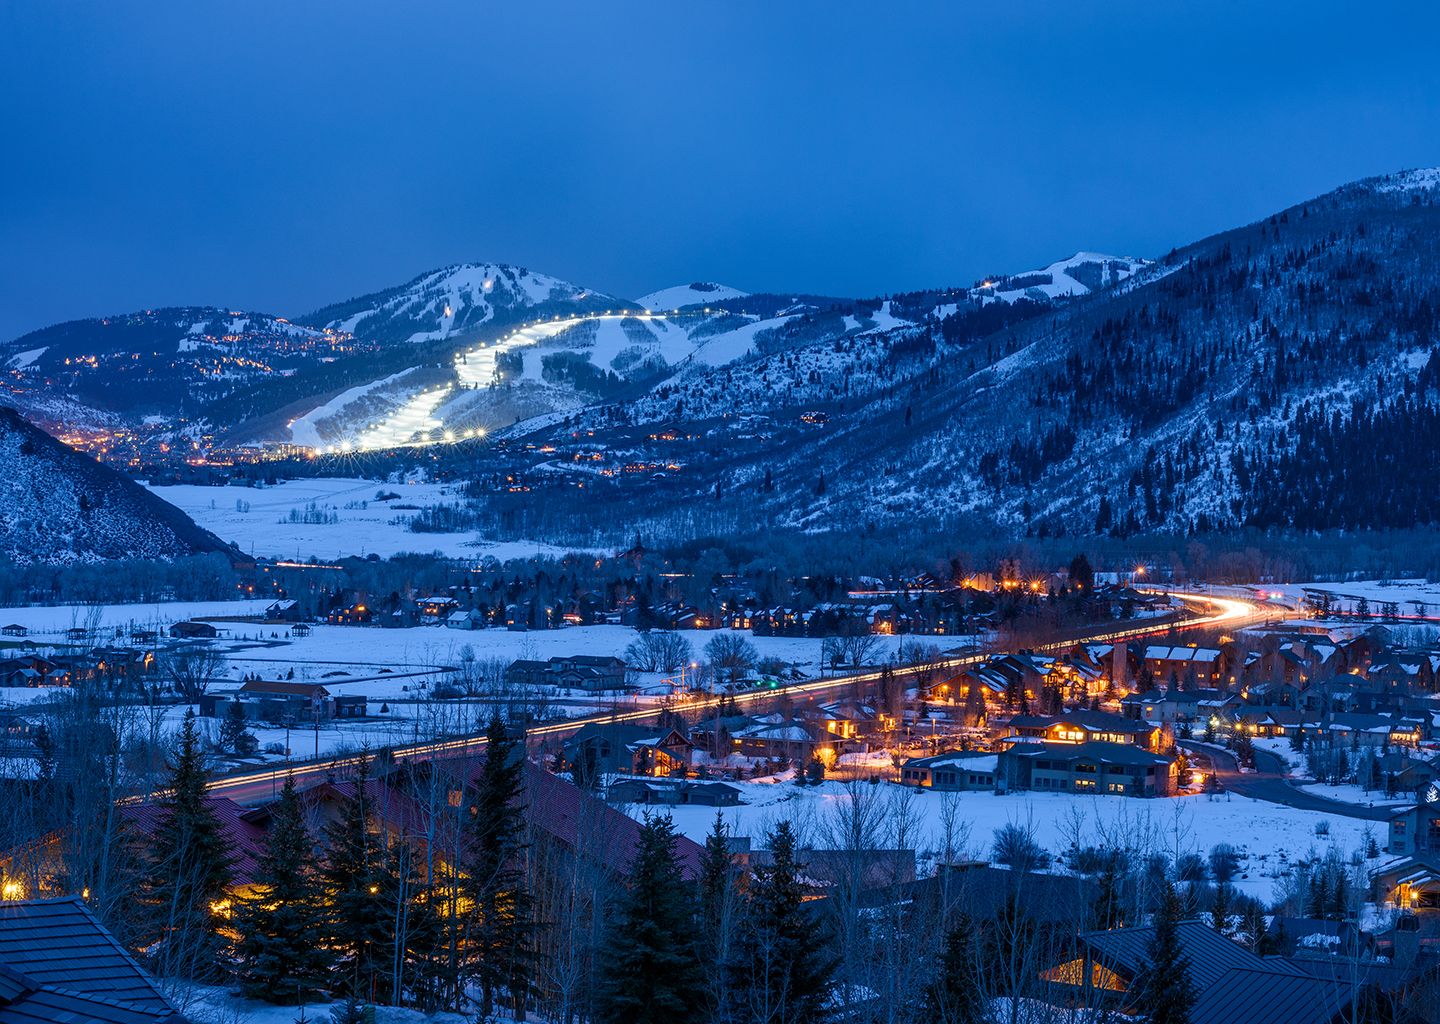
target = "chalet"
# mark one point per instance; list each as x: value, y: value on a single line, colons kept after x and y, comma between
x: 193, y: 631
x: 1264, y: 722
x: 1202, y: 665
x: 577, y: 672
x: 764, y: 736
x: 672, y: 792
x: 284, y: 702
x: 1373, y: 731
x: 609, y: 749
x: 1232, y: 984
x: 468, y: 619
x: 435, y: 609
x: 850, y: 719
x: 287, y: 610
x: 14, y: 629
x: 1416, y: 829
x: 1089, y: 767
x: 952, y: 771
x: 1083, y: 727
x: 300, y: 630
x: 1172, y: 705
x: 59, y: 963
x: 355, y: 613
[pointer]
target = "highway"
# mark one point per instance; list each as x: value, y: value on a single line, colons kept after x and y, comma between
x: 260, y: 785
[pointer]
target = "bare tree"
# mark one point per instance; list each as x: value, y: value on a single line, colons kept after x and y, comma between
x: 192, y: 668
x: 658, y: 651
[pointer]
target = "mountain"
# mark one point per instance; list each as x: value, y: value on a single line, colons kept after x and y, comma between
x: 700, y: 293
x: 58, y: 505
x: 1281, y: 374
x: 456, y: 301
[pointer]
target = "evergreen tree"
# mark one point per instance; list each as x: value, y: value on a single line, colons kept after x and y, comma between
x: 233, y: 725
x: 652, y: 974
x: 1220, y: 909
x: 500, y: 933
x: 280, y: 953
x: 953, y: 995
x: 783, y: 970
x: 1164, y: 993
x: 189, y: 868
x: 357, y: 924
x: 1108, y: 910
x: 715, y: 919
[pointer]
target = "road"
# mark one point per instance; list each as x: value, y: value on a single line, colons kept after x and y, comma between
x: 1268, y: 782
x: 260, y: 785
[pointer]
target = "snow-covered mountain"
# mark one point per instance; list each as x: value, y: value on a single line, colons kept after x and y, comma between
x: 60, y: 506
x: 455, y: 301
x: 699, y: 293
x: 1081, y: 274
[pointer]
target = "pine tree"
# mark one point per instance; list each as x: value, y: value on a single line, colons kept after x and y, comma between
x: 1108, y: 910
x: 1164, y: 993
x: 715, y: 919
x: 783, y: 971
x: 953, y: 995
x: 1220, y: 909
x: 652, y: 975
x: 354, y: 875
x: 233, y: 726
x: 189, y: 868
x: 281, y: 954
x: 500, y: 934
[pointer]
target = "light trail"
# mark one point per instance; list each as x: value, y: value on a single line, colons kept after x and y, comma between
x: 261, y: 785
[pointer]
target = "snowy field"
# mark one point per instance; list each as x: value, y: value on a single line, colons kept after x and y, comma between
x: 258, y: 520
x: 396, y: 670
x: 1375, y: 592
x: 1269, y: 837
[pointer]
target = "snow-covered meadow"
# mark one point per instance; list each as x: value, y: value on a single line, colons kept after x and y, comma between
x: 259, y: 520
x: 1269, y: 837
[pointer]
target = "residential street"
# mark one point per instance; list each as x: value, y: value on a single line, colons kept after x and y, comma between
x: 1268, y: 782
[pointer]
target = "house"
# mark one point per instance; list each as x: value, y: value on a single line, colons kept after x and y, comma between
x: 775, y: 736
x: 59, y: 963
x: 287, y: 610
x: 435, y: 609
x: 1089, y: 767
x: 1176, y: 706
x: 469, y: 619
x: 300, y: 630
x: 14, y: 629
x: 575, y: 672
x: 1083, y: 726
x: 1416, y: 829
x: 280, y: 702
x: 1355, y: 730
x: 605, y: 748
x: 1266, y: 722
x: 672, y: 792
x: 193, y: 631
x: 1108, y: 963
x: 1202, y: 665
x: 850, y: 719
x: 952, y: 771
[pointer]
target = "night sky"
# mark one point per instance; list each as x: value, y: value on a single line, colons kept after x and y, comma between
x: 282, y: 156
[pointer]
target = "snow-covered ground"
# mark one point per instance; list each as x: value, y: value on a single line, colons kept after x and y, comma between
x: 1405, y: 593
x: 1269, y: 837
x: 258, y: 519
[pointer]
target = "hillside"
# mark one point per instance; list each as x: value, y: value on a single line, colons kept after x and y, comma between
x: 1281, y: 374
x: 60, y: 506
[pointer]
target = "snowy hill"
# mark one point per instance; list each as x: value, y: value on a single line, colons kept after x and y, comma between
x: 700, y: 293
x: 60, y: 506
x: 1081, y: 274
x: 454, y: 301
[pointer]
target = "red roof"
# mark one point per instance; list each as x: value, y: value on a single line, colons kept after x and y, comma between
x: 311, y: 690
x: 244, y: 840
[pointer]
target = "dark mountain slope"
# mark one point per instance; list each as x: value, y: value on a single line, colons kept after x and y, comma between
x: 59, y: 506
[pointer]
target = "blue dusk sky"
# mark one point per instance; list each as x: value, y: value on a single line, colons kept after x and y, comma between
x: 280, y: 156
